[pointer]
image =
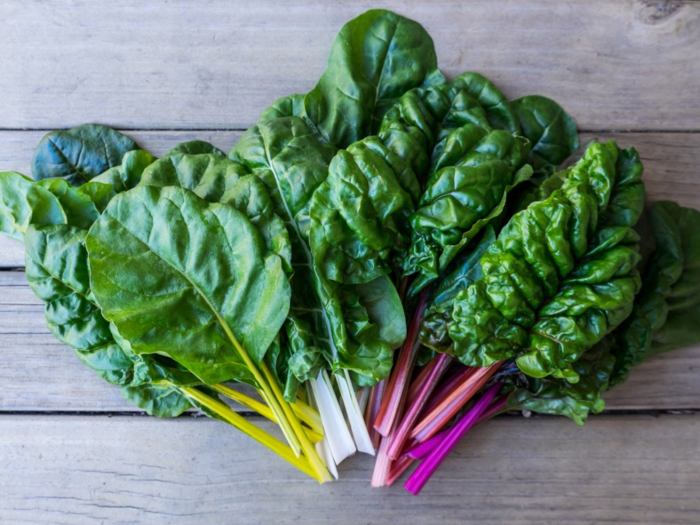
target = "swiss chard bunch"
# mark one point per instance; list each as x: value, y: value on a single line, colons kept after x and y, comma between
x: 290, y: 264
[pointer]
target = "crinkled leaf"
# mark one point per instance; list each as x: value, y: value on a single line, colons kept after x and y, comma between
x: 562, y: 273
x: 217, y: 179
x: 79, y: 154
x: 550, y: 130
x: 208, y: 175
x: 463, y: 198
x: 438, y: 315
x: 359, y: 214
x: 573, y: 400
x: 187, y: 279
x: 354, y: 324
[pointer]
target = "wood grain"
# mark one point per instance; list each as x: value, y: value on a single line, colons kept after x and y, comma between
x: 509, y: 471
x: 616, y: 64
x: 37, y: 373
x: 671, y: 160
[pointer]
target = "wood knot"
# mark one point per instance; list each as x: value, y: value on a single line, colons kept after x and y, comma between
x: 656, y: 11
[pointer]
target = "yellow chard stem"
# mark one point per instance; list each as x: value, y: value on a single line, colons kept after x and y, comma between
x: 306, y: 445
x: 264, y: 410
x: 230, y: 416
x: 308, y: 415
x: 268, y: 395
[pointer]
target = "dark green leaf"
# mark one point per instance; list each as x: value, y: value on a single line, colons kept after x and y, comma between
x: 550, y: 130
x: 79, y: 154
x: 374, y: 59
x: 562, y: 273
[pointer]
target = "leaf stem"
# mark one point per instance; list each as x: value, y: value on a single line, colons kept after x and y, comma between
x: 306, y: 445
x: 261, y: 408
x: 417, y: 480
x: 436, y: 368
x: 233, y: 418
x: 392, y: 403
x: 435, y: 420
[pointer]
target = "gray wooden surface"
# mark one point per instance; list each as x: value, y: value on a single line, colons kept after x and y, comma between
x: 72, y: 451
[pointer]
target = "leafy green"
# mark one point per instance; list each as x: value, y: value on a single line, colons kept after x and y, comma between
x: 80, y: 154
x: 292, y: 162
x: 562, y: 273
x: 374, y: 59
x: 438, y: 315
x: 550, y: 130
x: 359, y: 214
x: 197, y: 301
x: 670, y: 278
x: 573, y: 400
x: 665, y: 315
x: 21, y: 204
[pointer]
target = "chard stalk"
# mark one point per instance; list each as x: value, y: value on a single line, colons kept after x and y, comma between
x: 335, y: 428
x: 372, y: 409
x: 392, y: 403
x: 420, y: 450
x: 436, y: 419
x: 314, y: 432
x: 417, y: 480
x: 233, y: 418
x: 435, y: 368
x: 306, y: 445
x: 354, y: 414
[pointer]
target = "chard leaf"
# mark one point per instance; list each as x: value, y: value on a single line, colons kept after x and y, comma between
x: 198, y: 302
x: 22, y: 204
x: 573, y: 400
x: 195, y: 147
x: 374, y: 59
x: 550, y: 130
x: 79, y: 154
x: 562, y: 273
x: 438, y: 315
x: 159, y: 400
x: 359, y: 214
x: 344, y: 319
x: 79, y: 208
x: 208, y: 175
x: 665, y: 315
x: 217, y: 179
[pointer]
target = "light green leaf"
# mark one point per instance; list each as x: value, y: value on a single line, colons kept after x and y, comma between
x: 187, y: 279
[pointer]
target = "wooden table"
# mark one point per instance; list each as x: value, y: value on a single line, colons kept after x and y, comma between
x: 72, y: 451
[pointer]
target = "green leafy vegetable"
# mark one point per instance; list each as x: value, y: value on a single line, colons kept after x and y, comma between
x: 562, y: 273
x: 374, y: 59
x: 550, y: 130
x: 80, y: 154
x: 21, y: 204
x: 198, y: 301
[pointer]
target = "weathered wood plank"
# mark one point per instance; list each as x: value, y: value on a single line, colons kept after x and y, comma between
x: 37, y: 373
x: 510, y: 470
x: 163, y: 65
x: 672, y: 163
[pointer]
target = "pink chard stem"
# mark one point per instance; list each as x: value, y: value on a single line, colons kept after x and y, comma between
x: 437, y: 368
x: 435, y: 420
x: 395, y: 394
x: 417, y: 480
x: 373, y: 404
x: 421, y: 450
